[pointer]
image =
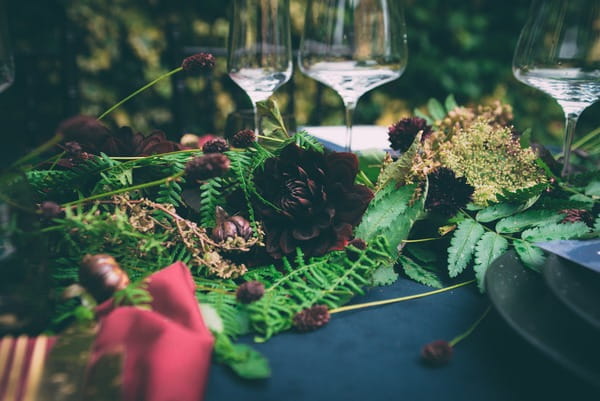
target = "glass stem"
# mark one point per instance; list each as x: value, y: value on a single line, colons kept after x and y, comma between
x: 256, y: 121
x: 571, y: 122
x: 350, y: 107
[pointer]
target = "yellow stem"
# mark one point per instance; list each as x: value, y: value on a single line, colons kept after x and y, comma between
x: 393, y: 300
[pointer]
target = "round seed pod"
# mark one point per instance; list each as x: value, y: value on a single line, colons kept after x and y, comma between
x: 230, y: 227
x: 102, y: 276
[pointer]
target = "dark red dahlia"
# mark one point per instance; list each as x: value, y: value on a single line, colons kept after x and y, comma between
x: 447, y: 193
x: 87, y: 131
x: 575, y: 215
x: 243, y: 138
x: 217, y: 145
x: 403, y: 133
x: 311, y: 318
x: 201, y: 62
x: 250, y: 291
x: 437, y: 353
x: 309, y: 200
x: 207, y: 166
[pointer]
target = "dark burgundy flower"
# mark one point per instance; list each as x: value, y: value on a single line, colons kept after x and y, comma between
x: 207, y: 166
x: 311, y: 318
x: 447, y: 193
x: 217, y: 145
x: 87, y: 131
x: 311, y: 199
x: 73, y: 149
x: 243, y: 138
x: 125, y: 142
x: 575, y: 215
x: 402, y: 134
x: 201, y: 62
x: 437, y: 353
x: 250, y: 291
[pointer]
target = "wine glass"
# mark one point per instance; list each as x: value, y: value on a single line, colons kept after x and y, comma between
x: 7, y: 68
x: 260, y: 52
x: 558, y: 52
x: 353, y: 46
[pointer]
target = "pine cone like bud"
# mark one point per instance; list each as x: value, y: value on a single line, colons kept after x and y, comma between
x: 243, y: 139
x: 50, y: 209
x: 437, y: 353
x: 201, y: 62
x: 217, y: 145
x: 311, y: 318
x: 575, y: 215
x: 230, y: 227
x: 250, y: 291
x: 102, y: 276
x: 403, y: 133
x: 358, y: 243
x: 207, y: 166
x: 73, y: 149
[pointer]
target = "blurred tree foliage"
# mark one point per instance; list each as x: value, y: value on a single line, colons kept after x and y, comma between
x: 84, y: 55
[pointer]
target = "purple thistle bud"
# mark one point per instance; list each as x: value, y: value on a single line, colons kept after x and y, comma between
x: 437, y: 353
x: 250, y: 291
x: 311, y: 318
x: 198, y: 63
x: 208, y: 166
x: 243, y: 138
x: 217, y: 145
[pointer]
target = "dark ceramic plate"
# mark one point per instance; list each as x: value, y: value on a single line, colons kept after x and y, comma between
x: 531, y: 309
x: 577, y: 287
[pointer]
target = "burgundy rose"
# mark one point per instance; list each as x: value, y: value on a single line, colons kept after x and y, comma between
x: 309, y: 200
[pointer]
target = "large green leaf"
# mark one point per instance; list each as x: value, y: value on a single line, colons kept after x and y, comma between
x: 419, y: 273
x: 531, y: 256
x: 370, y: 163
x: 528, y: 218
x: 489, y: 247
x: 436, y: 109
x: 397, y: 171
x: 391, y: 214
x: 504, y: 209
x: 462, y: 245
x: 593, y: 188
x: 550, y: 232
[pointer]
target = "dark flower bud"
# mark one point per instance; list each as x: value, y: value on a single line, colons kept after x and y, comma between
x: 402, y: 134
x: 73, y: 149
x: 201, y: 62
x: 230, y: 227
x: 575, y: 215
x: 358, y: 243
x: 243, y: 138
x: 311, y: 318
x: 352, y: 253
x: 87, y: 131
x: 437, y: 353
x: 250, y: 291
x: 50, y: 209
x: 207, y: 166
x: 102, y: 276
x: 447, y: 193
x: 217, y: 145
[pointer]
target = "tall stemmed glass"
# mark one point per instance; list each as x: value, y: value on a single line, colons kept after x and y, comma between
x: 558, y: 52
x: 7, y: 68
x: 259, y: 54
x: 353, y: 46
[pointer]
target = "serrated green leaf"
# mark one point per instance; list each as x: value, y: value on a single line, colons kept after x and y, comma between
x: 450, y: 103
x: 593, y: 188
x: 531, y: 256
x: 527, y: 196
x: 597, y: 224
x: 528, y: 218
x: 423, y: 252
x: 586, y: 200
x: 424, y: 116
x: 436, y: 109
x: 253, y: 366
x: 419, y: 273
x: 384, y: 275
x: 392, y: 215
x: 489, y: 247
x: 550, y: 232
x: 397, y: 171
x: 462, y: 246
x: 501, y: 210
x: 370, y: 162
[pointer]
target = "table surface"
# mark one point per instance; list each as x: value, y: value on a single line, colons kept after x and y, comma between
x: 373, y: 354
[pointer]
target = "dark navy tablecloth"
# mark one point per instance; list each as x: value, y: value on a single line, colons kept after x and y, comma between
x: 373, y: 354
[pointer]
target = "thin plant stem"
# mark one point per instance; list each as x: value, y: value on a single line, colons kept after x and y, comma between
x: 394, y: 300
x: 123, y: 190
x: 464, y: 335
x: 39, y: 150
x: 588, y: 137
x: 143, y: 88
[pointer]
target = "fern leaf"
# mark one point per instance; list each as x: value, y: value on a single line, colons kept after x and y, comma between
x: 306, y: 141
x: 531, y: 256
x: 419, y: 273
x: 550, y: 232
x: 392, y: 215
x: 489, y: 247
x: 211, y: 196
x: 521, y: 221
x: 462, y: 246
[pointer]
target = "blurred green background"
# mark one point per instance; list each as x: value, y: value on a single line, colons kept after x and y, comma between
x: 83, y: 56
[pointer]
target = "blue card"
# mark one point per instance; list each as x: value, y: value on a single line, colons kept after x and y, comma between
x: 584, y: 253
